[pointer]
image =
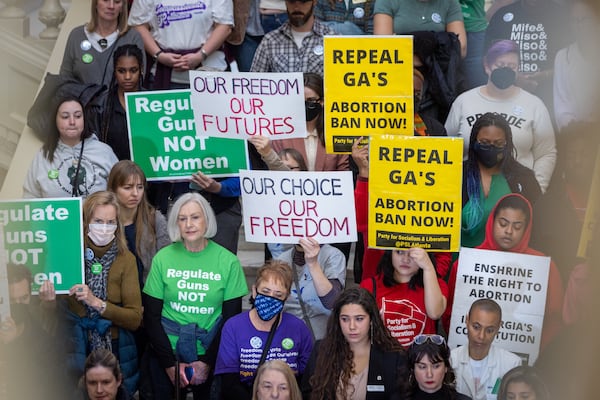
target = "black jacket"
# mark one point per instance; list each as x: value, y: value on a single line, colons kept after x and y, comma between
x: 387, y: 371
x: 520, y: 180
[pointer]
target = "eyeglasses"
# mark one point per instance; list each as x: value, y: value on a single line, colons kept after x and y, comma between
x: 435, y: 339
x: 500, y: 145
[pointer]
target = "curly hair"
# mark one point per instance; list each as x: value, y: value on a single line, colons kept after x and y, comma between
x: 335, y: 356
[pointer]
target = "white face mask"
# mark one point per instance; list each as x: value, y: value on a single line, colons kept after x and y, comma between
x: 102, y: 234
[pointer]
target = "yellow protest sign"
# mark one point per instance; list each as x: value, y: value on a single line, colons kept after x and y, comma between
x: 592, y: 213
x: 368, y: 88
x: 415, y: 192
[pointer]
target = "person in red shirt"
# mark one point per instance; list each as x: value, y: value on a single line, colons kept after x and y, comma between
x: 409, y: 293
x: 508, y: 228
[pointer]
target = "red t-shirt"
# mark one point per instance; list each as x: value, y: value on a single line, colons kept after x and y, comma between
x: 403, y: 309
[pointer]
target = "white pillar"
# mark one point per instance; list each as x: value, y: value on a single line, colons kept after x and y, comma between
x: 52, y: 14
x: 11, y: 10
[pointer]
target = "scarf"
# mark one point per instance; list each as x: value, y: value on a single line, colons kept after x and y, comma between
x: 420, y: 127
x: 97, y: 281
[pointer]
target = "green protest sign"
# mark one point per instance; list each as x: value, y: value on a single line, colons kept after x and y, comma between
x: 4, y: 294
x: 46, y: 235
x: 164, y: 144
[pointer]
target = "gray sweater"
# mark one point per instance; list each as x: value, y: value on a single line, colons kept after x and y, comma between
x: 55, y: 179
x: 100, y: 69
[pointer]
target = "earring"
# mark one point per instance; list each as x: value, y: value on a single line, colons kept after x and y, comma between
x: 371, y: 332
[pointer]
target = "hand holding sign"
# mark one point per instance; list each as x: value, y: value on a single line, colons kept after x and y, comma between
x: 205, y: 182
x: 83, y: 293
x: 311, y: 250
x: 262, y: 144
x: 360, y: 155
x: 47, y: 292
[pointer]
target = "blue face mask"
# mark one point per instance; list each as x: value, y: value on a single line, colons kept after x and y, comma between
x: 267, y: 307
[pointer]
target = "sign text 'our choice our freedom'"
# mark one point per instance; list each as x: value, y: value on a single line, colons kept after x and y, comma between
x: 283, y: 207
x: 242, y: 105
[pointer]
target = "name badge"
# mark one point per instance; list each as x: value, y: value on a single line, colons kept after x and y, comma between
x: 358, y: 1
x: 375, y: 388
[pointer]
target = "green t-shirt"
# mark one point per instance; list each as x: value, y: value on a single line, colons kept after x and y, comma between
x: 473, y: 12
x: 415, y: 15
x: 498, y: 188
x: 193, y: 286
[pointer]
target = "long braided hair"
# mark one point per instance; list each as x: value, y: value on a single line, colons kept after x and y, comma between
x: 127, y: 50
x: 473, y: 176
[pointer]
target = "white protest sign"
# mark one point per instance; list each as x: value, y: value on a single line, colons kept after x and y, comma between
x: 517, y: 282
x: 283, y: 206
x: 242, y: 105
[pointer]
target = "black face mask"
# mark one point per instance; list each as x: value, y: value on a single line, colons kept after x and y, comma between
x: 503, y: 77
x: 313, y: 109
x: 19, y: 312
x: 488, y: 155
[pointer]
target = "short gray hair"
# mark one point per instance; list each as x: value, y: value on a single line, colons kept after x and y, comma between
x: 209, y: 215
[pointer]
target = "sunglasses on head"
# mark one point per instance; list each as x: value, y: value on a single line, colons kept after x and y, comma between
x: 435, y: 339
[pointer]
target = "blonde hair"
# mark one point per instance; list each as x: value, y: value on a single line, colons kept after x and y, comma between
x: 104, y: 198
x: 277, y: 365
x: 121, y: 21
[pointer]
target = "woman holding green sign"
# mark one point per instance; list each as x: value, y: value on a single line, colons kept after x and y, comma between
x: 107, y: 307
